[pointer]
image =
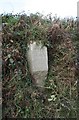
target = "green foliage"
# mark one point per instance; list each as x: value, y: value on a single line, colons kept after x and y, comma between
x: 20, y: 97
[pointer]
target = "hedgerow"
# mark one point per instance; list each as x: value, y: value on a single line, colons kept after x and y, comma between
x: 20, y: 97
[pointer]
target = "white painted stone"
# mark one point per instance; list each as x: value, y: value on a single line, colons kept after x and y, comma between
x: 38, y: 62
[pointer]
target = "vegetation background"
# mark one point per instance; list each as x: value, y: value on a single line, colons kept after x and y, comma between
x: 21, y: 98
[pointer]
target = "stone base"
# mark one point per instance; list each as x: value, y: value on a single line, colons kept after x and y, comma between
x: 39, y: 78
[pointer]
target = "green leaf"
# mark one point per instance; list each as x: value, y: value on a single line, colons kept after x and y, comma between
x: 49, y: 99
x: 9, y: 55
x: 11, y: 60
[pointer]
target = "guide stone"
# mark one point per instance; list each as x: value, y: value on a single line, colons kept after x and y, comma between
x: 38, y: 63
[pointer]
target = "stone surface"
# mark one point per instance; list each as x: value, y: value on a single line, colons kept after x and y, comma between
x: 38, y: 63
x: 40, y: 77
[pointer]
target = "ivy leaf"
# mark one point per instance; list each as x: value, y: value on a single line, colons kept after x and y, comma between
x: 9, y: 55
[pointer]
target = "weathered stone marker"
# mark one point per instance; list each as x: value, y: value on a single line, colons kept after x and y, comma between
x: 38, y: 63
